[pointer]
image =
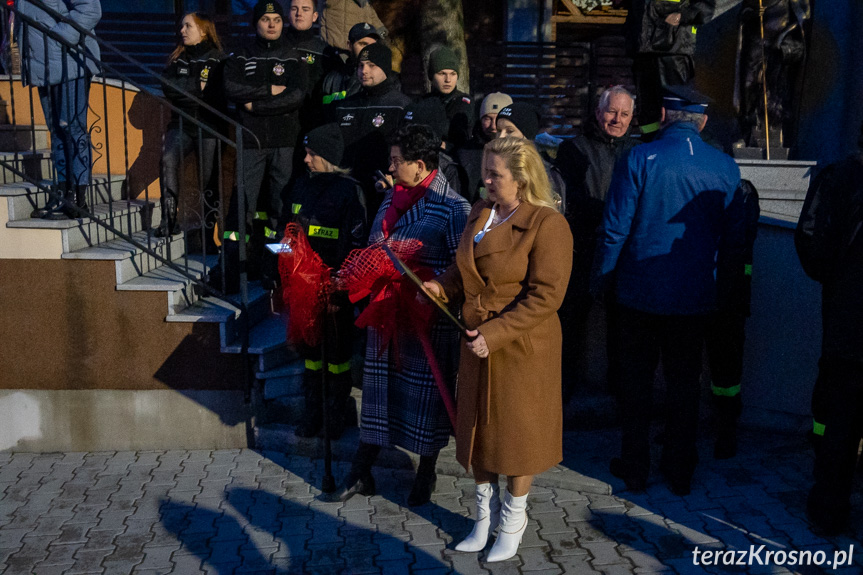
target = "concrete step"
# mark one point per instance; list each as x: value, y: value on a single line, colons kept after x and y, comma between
x: 266, y: 336
x: 127, y: 216
x: 132, y: 261
x: 268, y: 341
x: 210, y: 309
x: 207, y: 309
x: 296, y: 367
x: 284, y: 387
x: 34, y: 165
x: 177, y: 286
x: 21, y: 138
x: 23, y: 197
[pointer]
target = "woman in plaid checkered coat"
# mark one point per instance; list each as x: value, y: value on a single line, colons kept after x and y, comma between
x: 401, y: 402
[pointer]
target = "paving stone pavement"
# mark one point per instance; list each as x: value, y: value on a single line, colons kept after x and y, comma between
x: 244, y: 511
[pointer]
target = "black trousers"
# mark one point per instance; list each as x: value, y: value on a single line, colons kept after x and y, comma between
x: 265, y: 174
x: 644, y: 339
x: 836, y: 457
x: 339, y: 334
x: 574, y: 318
x: 725, y: 337
x: 178, y: 147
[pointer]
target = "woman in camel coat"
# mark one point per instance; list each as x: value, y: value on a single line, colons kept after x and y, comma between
x: 512, y: 268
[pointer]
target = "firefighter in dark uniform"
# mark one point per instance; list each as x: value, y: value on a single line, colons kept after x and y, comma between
x: 312, y: 51
x: 327, y: 202
x: 660, y: 38
x: 343, y: 81
x: 370, y: 117
x: 443, y: 73
x: 725, y: 335
x: 830, y: 246
x: 268, y: 85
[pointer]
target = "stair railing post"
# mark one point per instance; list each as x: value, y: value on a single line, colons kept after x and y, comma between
x: 328, y: 482
x: 244, y: 285
x: 23, y: 165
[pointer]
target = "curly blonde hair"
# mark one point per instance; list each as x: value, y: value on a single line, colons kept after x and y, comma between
x: 527, y: 168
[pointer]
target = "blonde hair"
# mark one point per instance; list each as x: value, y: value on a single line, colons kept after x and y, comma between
x: 527, y: 168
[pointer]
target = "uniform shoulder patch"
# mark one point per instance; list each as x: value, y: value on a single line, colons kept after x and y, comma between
x: 465, y: 99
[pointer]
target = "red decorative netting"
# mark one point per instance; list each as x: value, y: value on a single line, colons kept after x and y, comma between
x: 395, y: 307
x: 305, y: 286
x: 369, y: 270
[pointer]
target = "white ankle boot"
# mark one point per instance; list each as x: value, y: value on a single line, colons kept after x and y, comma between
x: 513, y: 523
x: 487, y: 518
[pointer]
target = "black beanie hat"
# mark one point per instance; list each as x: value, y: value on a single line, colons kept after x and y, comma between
x: 525, y: 117
x: 266, y: 7
x: 327, y: 142
x: 429, y: 112
x: 442, y: 59
x: 363, y: 30
x: 379, y: 55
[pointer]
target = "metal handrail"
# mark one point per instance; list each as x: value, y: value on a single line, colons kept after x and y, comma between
x: 162, y: 80
x: 81, y: 51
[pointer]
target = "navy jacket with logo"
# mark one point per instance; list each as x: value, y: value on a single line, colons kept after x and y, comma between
x: 197, y: 65
x: 249, y: 77
x: 367, y: 120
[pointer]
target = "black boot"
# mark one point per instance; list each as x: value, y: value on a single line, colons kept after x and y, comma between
x: 425, y: 481
x: 55, y: 202
x: 635, y: 477
x: 832, y: 517
x: 75, y: 196
x: 359, y: 479
x: 168, y: 225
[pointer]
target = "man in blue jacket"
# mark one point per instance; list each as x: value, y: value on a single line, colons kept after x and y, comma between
x: 62, y: 77
x: 673, y: 225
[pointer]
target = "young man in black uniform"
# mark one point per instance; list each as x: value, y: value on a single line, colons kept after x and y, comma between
x: 443, y: 73
x: 327, y: 203
x: 370, y: 117
x: 314, y: 53
x: 343, y: 81
x: 268, y: 85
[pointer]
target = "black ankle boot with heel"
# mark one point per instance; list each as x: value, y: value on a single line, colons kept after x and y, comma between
x: 425, y: 481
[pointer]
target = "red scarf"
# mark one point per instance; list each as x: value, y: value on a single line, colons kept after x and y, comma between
x: 404, y: 198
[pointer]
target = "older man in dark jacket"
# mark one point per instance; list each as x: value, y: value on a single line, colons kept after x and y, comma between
x: 830, y: 247
x: 585, y: 164
x: 673, y: 210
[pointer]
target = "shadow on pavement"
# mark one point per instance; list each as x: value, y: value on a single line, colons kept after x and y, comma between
x: 268, y: 530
